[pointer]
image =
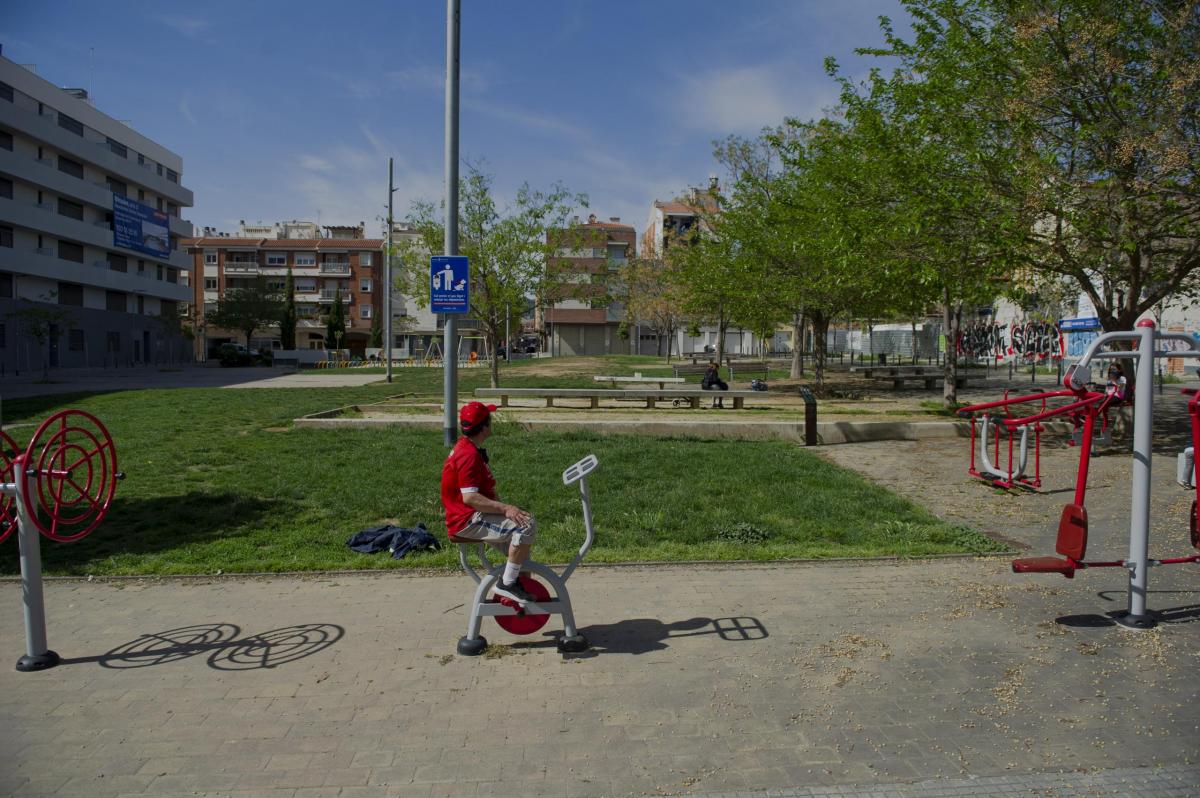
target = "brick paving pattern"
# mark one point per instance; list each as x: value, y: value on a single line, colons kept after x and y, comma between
x: 701, y: 680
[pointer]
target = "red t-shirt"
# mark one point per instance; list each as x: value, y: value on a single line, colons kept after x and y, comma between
x: 464, y: 471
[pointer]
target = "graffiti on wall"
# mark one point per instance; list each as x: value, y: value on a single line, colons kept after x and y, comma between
x: 1031, y: 340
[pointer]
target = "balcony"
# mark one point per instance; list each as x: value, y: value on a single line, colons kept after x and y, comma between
x: 328, y: 295
x: 335, y: 267
x: 241, y: 268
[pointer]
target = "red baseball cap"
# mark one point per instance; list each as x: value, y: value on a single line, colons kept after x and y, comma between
x: 474, y: 414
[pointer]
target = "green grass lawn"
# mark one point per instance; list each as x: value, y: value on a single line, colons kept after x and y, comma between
x: 221, y: 480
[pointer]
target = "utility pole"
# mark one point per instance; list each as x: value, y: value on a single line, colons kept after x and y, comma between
x: 450, y: 339
x: 387, y: 282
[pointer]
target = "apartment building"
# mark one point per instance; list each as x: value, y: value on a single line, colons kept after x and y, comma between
x: 414, y: 328
x: 677, y: 220
x: 292, y: 229
x: 582, y: 319
x: 322, y: 269
x: 90, y: 229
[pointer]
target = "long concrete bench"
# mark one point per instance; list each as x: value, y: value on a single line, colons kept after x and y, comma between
x: 651, y: 396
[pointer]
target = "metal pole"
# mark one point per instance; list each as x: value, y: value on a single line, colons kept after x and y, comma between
x: 450, y: 333
x: 37, y: 655
x: 1139, y: 515
x: 387, y: 282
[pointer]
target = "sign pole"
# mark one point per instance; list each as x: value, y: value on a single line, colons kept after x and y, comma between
x: 387, y: 282
x: 450, y: 340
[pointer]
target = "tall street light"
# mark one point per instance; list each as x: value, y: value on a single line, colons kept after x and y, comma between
x: 450, y: 333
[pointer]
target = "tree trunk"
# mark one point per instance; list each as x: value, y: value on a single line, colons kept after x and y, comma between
x: 797, y: 346
x: 722, y: 326
x: 951, y: 319
x: 820, y: 325
x: 494, y: 370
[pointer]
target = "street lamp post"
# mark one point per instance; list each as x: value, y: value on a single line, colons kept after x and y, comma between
x: 450, y: 340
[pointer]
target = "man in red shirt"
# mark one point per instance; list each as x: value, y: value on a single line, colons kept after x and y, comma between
x: 474, y: 512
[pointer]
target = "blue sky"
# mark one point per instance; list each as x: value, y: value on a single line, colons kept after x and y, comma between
x: 290, y: 110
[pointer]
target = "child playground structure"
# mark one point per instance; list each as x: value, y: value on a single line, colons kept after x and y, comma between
x: 994, y: 427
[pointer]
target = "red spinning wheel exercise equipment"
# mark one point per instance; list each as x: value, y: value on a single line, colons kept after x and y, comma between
x: 523, y: 623
x: 61, y: 486
x: 8, y: 502
x: 71, y: 463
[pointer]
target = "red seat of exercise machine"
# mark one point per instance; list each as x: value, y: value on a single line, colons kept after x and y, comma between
x: 1044, y: 565
x: 1072, y: 532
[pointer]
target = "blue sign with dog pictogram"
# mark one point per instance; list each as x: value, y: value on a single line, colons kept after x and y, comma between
x: 449, y: 284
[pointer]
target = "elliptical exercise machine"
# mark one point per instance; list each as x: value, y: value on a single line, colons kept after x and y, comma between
x: 524, y: 620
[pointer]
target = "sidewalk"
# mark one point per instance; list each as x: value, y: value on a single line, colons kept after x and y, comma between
x: 708, y: 681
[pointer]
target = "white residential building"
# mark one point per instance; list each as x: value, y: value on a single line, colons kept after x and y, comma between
x: 89, y: 226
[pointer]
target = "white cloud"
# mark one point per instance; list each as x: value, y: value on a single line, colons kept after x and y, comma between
x: 186, y: 110
x: 528, y: 119
x: 314, y: 163
x: 188, y: 26
x: 747, y: 99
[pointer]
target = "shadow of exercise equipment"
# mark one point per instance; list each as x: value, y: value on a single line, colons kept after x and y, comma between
x: 644, y: 635
x: 1184, y: 613
x: 226, y: 650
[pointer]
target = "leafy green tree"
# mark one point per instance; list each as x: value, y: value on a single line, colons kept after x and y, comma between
x: 507, y: 249
x: 40, y: 321
x: 287, y: 319
x: 335, y: 322
x: 247, y: 309
x: 377, y: 332
x: 653, y: 295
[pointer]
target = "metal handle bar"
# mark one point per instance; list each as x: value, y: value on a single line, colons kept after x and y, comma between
x: 1033, y: 397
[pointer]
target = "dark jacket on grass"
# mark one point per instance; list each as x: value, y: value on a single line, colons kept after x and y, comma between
x: 396, y: 539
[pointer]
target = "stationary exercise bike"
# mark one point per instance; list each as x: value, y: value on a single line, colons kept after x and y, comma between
x: 524, y: 620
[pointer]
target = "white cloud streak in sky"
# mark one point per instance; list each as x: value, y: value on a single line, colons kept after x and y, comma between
x: 748, y: 98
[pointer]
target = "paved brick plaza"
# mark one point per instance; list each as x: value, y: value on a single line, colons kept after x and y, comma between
x: 702, y: 680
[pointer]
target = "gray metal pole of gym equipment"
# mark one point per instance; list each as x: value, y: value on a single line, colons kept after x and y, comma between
x: 38, y: 655
x: 450, y: 331
x: 1144, y: 337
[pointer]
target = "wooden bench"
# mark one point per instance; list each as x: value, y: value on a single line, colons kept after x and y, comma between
x: 695, y: 368
x: 692, y: 396
x: 930, y: 381
x: 638, y: 378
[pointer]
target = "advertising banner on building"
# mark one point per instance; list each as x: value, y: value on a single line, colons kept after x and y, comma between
x: 140, y: 228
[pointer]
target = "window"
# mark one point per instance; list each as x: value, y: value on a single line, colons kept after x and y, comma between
x: 141, y: 304
x: 6, y: 286
x: 141, y: 195
x: 364, y: 285
x: 304, y: 259
x: 159, y: 203
x: 6, y: 92
x: 364, y: 311
x: 69, y: 251
x: 118, y: 263
x: 69, y: 167
x: 172, y: 275
x: 160, y: 170
x: 306, y: 288
x: 364, y: 259
x: 141, y: 159
x: 72, y: 210
x: 117, y: 186
x: 75, y: 340
x: 210, y: 283
x: 277, y: 259
x: 141, y: 267
x: 159, y: 273
x: 168, y: 309
x: 115, y: 301
x: 172, y: 209
x: 276, y: 285
x: 112, y: 341
x: 70, y: 294
x: 6, y: 188
x: 118, y: 148
x: 6, y: 140
x: 3, y: 337
x: 6, y: 238
x: 210, y: 259
x: 73, y: 125
x: 172, y: 175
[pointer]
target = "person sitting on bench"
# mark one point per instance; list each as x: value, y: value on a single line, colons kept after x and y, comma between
x: 712, y: 382
x: 474, y: 512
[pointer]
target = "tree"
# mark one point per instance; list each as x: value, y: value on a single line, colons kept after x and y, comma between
x: 507, y: 250
x: 41, y: 321
x: 287, y: 319
x: 247, y: 309
x: 377, y: 332
x: 335, y: 322
x: 653, y: 295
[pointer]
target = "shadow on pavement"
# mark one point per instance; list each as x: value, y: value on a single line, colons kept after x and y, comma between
x: 1184, y: 613
x: 643, y: 635
x: 226, y: 651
